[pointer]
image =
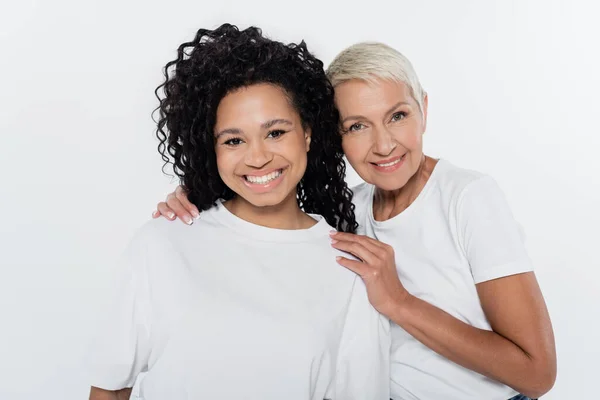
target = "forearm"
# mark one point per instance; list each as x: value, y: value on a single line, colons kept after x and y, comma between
x: 101, y: 394
x: 479, y: 350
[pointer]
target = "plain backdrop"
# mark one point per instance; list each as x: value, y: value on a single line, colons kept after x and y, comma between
x: 513, y: 91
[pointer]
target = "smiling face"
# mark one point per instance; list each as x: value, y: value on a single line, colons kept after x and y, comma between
x: 382, y: 128
x: 261, y: 145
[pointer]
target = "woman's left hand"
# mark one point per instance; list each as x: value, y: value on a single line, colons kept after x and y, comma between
x: 377, y: 268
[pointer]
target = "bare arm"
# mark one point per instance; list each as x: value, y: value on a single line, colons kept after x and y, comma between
x: 101, y: 394
x: 519, y: 352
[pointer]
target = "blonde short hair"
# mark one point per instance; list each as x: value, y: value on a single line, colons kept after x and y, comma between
x: 370, y: 61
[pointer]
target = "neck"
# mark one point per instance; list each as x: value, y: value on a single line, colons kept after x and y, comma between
x: 389, y: 203
x: 285, y: 215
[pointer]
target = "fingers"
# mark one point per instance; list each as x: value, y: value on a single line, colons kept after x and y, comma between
x: 357, y: 250
x: 379, y: 249
x: 174, y: 206
x: 181, y: 195
x: 163, y: 209
x: 351, y: 237
x: 357, y: 267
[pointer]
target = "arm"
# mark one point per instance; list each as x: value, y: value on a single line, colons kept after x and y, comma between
x: 101, y: 394
x: 177, y: 205
x: 519, y: 352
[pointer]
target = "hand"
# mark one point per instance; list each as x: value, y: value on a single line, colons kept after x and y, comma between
x: 177, y: 204
x: 377, y: 268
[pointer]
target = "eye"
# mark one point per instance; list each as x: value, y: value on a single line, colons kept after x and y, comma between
x: 398, y: 116
x: 277, y: 133
x: 233, y: 142
x: 356, y: 127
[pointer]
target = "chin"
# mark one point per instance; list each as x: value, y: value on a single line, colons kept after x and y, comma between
x: 265, y: 203
x: 263, y: 200
x: 390, y: 184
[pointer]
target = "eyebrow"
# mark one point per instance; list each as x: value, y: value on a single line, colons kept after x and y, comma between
x: 268, y: 124
x: 391, y: 109
x: 264, y: 125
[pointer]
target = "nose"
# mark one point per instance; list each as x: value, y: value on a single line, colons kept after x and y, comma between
x: 257, y: 155
x: 384, y: 143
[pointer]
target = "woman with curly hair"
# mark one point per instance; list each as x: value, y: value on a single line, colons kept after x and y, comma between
x: 250, y: 303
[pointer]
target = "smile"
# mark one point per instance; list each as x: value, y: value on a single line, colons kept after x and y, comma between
x: 390, y: 164
x: 264, y: 179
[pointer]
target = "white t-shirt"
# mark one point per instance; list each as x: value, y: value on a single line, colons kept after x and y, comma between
x: 226, y: 309
x: 457, y: 233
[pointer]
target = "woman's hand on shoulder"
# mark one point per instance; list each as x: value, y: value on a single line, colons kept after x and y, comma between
x: 377, y: 268
x: 177, y: 205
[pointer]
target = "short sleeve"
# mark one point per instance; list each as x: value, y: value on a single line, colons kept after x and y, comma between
x: 363, y: 367
x: 490, y: 237
x: 121, y: 344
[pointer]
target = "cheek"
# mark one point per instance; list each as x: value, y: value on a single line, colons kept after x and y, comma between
x: 414, y: 142
x: 294, y: 150
x: 225, y: 163
x: 354, y: 149
x: 300, y: 160
x: 412, y: 137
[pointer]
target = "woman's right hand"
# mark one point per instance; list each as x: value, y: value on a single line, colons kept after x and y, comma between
x: 177, y: 205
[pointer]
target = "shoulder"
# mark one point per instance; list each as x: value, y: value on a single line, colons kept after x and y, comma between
x: 476, y: 200
x: 159, y: 234
x: 150, y: 238
x: 321, y: 240
x: 157, y: 230
x: 458, y: 183
x: 454, y: 179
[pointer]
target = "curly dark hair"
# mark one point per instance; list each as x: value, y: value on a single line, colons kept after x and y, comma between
x: 220, y: 61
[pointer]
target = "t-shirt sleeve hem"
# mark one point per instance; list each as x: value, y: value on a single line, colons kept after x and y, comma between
x: 501, y: 271
x: 109, y: 381
x: 108, y: 384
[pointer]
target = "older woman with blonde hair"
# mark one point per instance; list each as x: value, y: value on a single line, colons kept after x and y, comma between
x: 439, y: 250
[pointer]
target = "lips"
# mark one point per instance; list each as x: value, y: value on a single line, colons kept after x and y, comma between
x: 264, y: 179
x: 389, y: 165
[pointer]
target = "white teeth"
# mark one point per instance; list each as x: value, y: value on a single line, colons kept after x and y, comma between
x: 262, y: 180
x: 391, y: 163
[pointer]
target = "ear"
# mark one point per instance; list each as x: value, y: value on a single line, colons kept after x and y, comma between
x: 307, y: 135
x: 425, y: 105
